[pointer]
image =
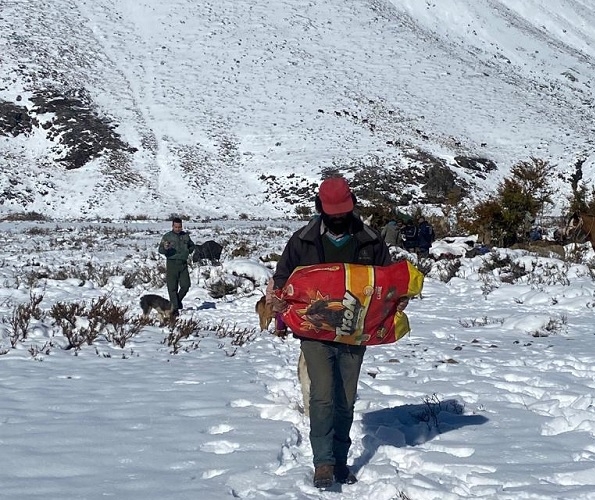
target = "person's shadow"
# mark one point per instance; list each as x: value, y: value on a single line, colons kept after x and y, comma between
x: 411, y: 425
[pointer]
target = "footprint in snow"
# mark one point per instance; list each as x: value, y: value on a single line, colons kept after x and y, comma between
x: 220, y: 429
x: 220, y: 447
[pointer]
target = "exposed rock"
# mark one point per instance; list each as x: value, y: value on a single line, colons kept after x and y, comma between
x: 15, y: 120
x: 481, y: 165
x: 440, y: 181
x: 77, y: 129
x: 437, y: 179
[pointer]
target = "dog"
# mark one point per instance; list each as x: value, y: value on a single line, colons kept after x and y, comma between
x: 304, y: 378
x: 265, y: 313
x: 208, y: 252
x: 159, y: 304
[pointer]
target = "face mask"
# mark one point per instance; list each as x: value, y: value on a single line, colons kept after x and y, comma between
x: 337, y: 225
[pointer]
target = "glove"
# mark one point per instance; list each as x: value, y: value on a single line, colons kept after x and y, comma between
x: 279, y: 305
x: 402, y: 303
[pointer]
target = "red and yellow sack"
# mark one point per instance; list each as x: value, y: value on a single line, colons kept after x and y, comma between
x: 350, y: 303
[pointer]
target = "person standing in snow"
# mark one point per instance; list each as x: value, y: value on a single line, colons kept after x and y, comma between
x: 425, y: 236
x: 336, y: 236
x: 410, y: 236
x: 391, y: 233
x: 177, y: 246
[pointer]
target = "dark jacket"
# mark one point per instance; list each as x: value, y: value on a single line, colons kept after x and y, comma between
x: 180, y: 246
x: 410, y: 236
x: 425, y: 235
x: 304, y: 248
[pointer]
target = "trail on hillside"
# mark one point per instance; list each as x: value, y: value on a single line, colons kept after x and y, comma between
x: 265, y: 97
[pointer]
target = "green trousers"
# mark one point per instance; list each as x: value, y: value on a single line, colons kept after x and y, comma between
x: 178, y: 282
x: 334, y: 371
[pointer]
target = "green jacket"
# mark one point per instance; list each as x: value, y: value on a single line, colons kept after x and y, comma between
x: 180, y: 246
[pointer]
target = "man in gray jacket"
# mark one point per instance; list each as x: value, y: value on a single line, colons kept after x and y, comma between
x: 392, y: 233
x: 177, y: 246
x: 336, y: 236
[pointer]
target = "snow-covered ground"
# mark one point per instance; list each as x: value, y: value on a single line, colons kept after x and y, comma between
x: 490, y: 396
x: 230, y: 103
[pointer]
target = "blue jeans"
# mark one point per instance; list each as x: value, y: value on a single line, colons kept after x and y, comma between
x: 334, y: 370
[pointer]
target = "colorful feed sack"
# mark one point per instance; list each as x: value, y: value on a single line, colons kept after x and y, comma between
x: 350, y: 303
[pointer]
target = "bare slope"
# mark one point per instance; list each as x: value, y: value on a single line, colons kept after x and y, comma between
x: 226, y: 107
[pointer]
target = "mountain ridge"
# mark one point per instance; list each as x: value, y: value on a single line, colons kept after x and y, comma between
x: 227, y: 108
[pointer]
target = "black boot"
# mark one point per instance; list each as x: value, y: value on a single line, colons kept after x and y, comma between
x: 343, y: 475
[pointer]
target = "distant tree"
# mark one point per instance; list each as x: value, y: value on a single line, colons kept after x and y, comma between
x: 582, y: 200
x: 452, y: 211
x: 530, y: 180
x: 506, y: 217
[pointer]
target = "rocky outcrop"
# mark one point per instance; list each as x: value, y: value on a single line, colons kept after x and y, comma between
x: 15, y: 119
x: 480, y: 166
x: 70, y: 121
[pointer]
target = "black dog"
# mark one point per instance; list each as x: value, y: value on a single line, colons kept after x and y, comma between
x: 209, y: 251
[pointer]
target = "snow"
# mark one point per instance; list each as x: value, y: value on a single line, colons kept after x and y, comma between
x: 252, y: 89
x: 453, y: 245
x: 490, y: 396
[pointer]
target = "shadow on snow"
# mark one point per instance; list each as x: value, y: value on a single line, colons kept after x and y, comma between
x: 411, y: 425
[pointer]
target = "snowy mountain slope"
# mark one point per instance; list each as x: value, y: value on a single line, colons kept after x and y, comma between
x: 226, y: 107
